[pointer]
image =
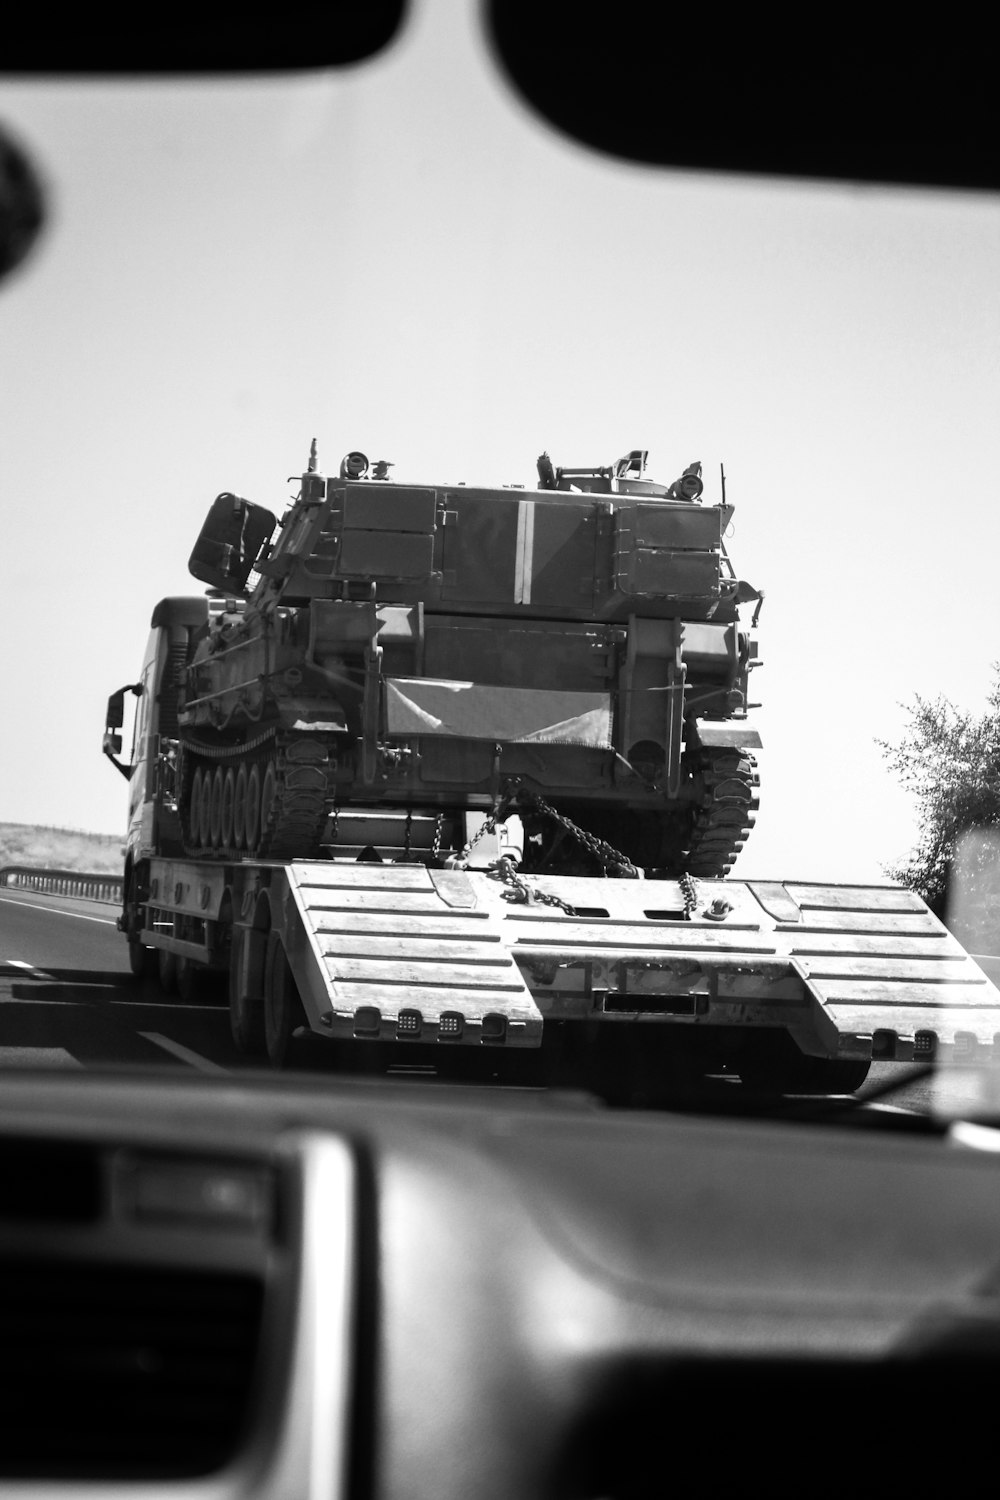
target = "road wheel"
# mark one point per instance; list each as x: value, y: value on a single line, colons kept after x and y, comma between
x: 228, y: 808
x: 215, y: 809
x: 269, y: 791
x: 240, y: 809
x: 246, y: 999
x: 204, y: 839
x: 283, y: 1010
x: 194, y: 808
x: 252, y: 816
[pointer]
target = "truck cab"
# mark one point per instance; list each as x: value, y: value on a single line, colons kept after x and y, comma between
x: 152, y: 760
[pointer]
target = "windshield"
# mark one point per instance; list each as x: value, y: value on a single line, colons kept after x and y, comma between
x: 399, y: 259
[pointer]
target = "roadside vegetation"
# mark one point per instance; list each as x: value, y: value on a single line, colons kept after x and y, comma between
x: 60, y: 848
x: 949, y: 760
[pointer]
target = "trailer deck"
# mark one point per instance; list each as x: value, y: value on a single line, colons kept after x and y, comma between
x: 401, y: 952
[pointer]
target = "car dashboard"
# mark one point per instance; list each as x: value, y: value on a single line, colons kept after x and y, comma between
x: 279, y: 1287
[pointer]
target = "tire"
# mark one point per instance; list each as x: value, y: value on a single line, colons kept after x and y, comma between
x: 837, y: 1075
x: 193, y: 981
x: 141, y: 961
x: 166, y: 967
x: 283, y: 1011
x: 228, y: 808
x: 773, y: 1064
x: 246, y: 1002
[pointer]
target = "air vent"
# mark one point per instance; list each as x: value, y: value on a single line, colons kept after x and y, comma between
x: 119, y: 1372
x: 49, y: 1182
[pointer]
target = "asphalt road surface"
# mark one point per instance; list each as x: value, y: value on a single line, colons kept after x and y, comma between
x: 68, y: 1000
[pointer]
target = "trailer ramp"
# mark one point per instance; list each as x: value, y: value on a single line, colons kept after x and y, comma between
x: 401, y: 952
x: 850, y: 971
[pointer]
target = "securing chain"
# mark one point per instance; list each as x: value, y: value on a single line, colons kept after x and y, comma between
x: 520, y: 892
x: 489, y: 825
x: 605, y: 854
x: 689, y: 891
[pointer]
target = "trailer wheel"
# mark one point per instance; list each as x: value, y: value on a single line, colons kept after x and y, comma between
x: 194, y: 981
x: 246, y: 1000
x: 283, y: 1010
x: 773, y: 1064
x: 167, y: 969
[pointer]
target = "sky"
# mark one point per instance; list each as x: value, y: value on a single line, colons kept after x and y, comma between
x: 400, y: 258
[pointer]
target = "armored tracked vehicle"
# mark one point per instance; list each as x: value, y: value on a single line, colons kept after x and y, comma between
x: 378, y: 774
x: 389, y: 658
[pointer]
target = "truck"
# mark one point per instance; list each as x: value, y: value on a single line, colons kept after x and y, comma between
x: 455, y: 777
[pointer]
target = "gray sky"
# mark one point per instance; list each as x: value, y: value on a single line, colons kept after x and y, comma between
x: 400, y: 259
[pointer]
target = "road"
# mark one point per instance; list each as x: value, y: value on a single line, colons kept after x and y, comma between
x: 68, y: 1000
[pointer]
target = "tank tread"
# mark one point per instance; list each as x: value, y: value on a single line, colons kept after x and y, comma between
x: 292, y: 821
x: 726, y: 809
x: 285, y: 780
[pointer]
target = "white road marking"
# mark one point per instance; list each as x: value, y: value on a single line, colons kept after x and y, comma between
x: 184, y: 1054
x: 38, y: 1057
x: 54, y: 911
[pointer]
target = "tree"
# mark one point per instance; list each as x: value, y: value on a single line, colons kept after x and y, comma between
x: 950, y: 761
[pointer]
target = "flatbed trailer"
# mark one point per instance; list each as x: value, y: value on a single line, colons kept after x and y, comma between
x: 311, y: 749
x: 426, y: 962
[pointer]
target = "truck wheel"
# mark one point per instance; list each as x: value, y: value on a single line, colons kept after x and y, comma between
x: 283, y: 1010
x: 246, y: 1004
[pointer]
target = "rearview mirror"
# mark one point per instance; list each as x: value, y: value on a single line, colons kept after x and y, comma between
x: 116, y: 713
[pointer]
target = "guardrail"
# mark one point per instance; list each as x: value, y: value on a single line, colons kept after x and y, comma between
x: 85, y: 886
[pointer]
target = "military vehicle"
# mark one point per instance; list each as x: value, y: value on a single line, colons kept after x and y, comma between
x: 448, y: 777
x: 389, y: 658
